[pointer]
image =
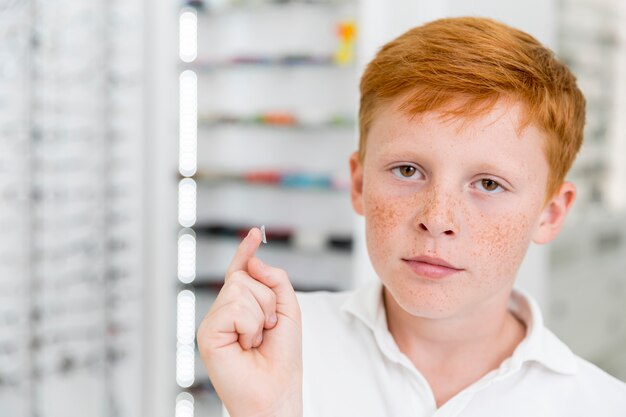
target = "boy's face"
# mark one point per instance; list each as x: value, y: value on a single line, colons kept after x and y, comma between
x: 467, y: 193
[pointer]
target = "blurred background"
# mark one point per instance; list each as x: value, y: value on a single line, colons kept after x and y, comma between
x: 140, y: 141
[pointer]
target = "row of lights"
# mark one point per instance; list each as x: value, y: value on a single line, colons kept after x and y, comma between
x: 187, y: 198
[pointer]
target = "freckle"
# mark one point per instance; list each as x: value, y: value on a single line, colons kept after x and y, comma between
x: 382, y: 216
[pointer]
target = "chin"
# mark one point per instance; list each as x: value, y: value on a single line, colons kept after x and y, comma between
x: 426, y: 301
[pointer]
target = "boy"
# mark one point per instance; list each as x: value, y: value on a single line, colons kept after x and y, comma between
x: 467, y: 129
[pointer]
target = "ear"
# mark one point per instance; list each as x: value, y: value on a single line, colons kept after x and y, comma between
x: 356, y: 190
x: 553, y: 215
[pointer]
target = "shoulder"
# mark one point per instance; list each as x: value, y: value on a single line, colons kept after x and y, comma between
x: 589, y: 389
x: 576, y: 382
x: 597, y: 380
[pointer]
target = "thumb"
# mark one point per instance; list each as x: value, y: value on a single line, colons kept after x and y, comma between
x: 278, y: 281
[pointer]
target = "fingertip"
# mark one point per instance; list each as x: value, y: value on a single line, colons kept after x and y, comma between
x: 255, y: 235
x: 257, y: 341
x: 245, y: 343
x: 251, y: 242
x: 254, y: 231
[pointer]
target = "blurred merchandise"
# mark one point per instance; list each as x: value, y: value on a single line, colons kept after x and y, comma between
x: 275, y: 127
x: 71, y: 322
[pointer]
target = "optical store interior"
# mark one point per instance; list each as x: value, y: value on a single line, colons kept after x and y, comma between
x: 141, y: 140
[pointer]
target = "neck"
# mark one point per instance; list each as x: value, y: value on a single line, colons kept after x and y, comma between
x: 485, y: 336
x: 454, y: 352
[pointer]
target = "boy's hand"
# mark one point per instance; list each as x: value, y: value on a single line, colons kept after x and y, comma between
x: 255, y: 364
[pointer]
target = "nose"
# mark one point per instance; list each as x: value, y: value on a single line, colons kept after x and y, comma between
x: 437, y: 214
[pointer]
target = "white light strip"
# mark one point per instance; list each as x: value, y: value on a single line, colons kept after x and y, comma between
x: 186, y: 318
x: 185, y: 330
x: 185, y: 366
x: 187, y: 202
x: 188, y: 119
x: 187, y: 257
x: 184, y: 405
x: 188, y: 36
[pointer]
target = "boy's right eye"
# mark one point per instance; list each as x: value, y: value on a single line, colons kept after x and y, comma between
x: 405, y: 171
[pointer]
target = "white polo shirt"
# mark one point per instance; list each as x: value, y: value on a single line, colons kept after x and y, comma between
x: 353, y: 367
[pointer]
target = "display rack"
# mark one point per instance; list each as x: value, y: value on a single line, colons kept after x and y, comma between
x: 586, y: 260
x: 589, y: 44
x: 273, y: 87
x: 70, y: 204
x: 15, y: 239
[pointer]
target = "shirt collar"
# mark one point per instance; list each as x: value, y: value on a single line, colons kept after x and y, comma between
x: 539, y: 345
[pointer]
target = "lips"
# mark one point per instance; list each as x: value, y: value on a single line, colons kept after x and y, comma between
x: 432, y: 268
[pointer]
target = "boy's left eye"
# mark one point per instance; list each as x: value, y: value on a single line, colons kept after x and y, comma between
x: 405, y: 171
x: 489, y: 185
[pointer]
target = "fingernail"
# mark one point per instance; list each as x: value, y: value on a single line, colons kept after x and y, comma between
x: 261, y: 264
x: 273, y: 319
x: 258, y: 340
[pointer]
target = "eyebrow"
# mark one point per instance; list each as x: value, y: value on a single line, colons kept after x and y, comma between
x: 388, y: 153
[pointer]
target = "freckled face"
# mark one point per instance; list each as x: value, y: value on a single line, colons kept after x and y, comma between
x: 468, y: 192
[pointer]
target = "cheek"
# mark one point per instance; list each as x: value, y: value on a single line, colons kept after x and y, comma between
x: 500, y: 245
x: 383, y: 215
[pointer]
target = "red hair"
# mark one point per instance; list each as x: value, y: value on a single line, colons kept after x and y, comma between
x: 478, y: 61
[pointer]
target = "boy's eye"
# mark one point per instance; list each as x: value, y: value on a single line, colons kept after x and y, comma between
x: 404, y: 171
x: 490, y: 185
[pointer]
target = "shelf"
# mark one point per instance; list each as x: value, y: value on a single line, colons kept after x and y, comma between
x: 308, y: 265
x: 227, y: 209
x: 204, y: 7
x: 215, y: 284
x: 203, y: 386
x: 234, y: 150
x: 275, y: 235
x: 262, y: 62
x: 285, y: 180
x: 277, y: 120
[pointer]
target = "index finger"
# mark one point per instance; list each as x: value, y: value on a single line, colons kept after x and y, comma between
x: 246, y: 250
